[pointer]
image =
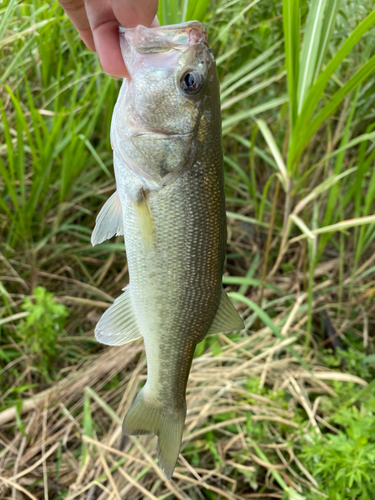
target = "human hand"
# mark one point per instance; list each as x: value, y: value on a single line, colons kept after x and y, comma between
x: 97, y: 24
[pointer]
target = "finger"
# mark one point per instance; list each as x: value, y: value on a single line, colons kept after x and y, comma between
x: 75, y: 10
x: 104, y: 26
x: 130, y: 13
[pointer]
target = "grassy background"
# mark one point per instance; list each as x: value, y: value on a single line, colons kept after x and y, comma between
x: 286, y: 408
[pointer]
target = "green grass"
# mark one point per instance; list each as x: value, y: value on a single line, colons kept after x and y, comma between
x: 297, y: 98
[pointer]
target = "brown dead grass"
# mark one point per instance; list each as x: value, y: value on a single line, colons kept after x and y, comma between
x: 56, y: 453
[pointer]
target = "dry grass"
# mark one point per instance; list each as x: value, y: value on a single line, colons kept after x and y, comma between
x: 69, y: 445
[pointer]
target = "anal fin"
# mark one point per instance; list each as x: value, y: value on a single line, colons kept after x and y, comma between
x: 109, y: 221
x: 227, y: 318
x: 118, y: 325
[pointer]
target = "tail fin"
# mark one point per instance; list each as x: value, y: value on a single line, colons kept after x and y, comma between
x: 146, y: 417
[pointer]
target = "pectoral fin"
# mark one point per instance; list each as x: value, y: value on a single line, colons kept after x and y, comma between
x: 109, y: 221
x: 118, y: 325
x: 227, y: 318
x: 144, y: 219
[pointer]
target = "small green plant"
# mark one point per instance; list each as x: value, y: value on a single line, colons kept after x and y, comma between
x: 44, y: 323
x: 345, y: 463
x: 356, y: 362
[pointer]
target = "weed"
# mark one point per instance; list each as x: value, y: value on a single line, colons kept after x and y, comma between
x: 355, y: 362
x: 39, y: 331
x: 345, y: 462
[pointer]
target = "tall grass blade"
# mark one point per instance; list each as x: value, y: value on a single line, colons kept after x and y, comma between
x: 340, y: 226
x: 291, y: 23
x: 250, y: 76
x: 299, y: 222
x: 327, y: 29
x: 333, y: 104
x: 196, y: 10
x: 249, y: 113
x: 236, y: 18
x: 10, y: 39
x: 317, y: 89
x: 185, y: 5
x: 321, y: 188
x: 8, y: 12
x: 274, y: 150
x: 268, y: 322
x: 234, y: 76
x: 252, y: 90
x: 168, y: 12
x: 309, y: 52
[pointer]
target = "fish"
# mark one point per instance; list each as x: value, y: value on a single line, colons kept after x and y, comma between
x: 170, y: 207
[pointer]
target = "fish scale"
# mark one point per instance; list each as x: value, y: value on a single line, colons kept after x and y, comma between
x: 173, y: 220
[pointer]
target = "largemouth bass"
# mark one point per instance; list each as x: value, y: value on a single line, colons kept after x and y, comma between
x: 169, y: 204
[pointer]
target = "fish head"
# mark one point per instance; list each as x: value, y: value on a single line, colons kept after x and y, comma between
x: 172, y: 86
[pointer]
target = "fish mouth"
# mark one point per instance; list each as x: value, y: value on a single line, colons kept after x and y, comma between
x: 146, y: 129
x: 164, y: 38
x: 138, y: 126
x: 159, y: 134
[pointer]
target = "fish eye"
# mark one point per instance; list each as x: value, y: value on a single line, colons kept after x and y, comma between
x: 191, y: 82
